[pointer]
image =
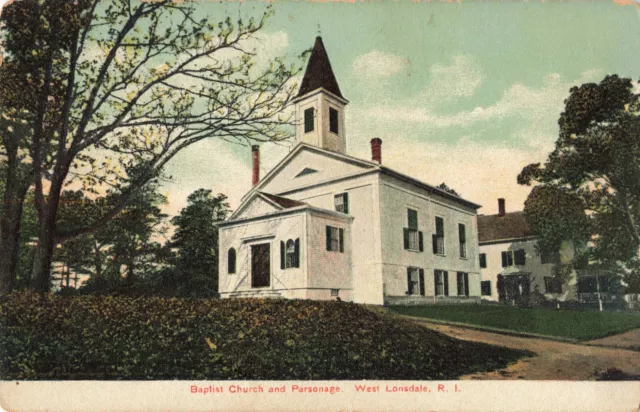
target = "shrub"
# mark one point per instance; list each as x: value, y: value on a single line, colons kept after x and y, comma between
x: 116, y: 337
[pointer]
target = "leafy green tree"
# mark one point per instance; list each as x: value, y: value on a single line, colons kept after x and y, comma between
x: 592, y: 177
x: 196, y: 241
x: 124, y: 83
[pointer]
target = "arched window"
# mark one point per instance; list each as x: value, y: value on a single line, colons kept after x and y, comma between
x: 231, y: 265
x: 290, y: 254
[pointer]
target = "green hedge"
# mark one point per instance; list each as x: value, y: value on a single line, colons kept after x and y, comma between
x: 95, y: 337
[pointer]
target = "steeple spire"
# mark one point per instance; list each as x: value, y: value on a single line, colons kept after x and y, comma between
x: 319, y: 73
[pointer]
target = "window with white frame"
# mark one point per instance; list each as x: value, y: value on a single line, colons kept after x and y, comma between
x: 463, y: 284
x: 341, y: 202
x: 335, y: 239
x: 290, y: 254
x: 513, y: 257
x: 438, y: 237
x: 413, y: 281
x: 412, y: 236
x: 462, y: 237
x: 441, y: 282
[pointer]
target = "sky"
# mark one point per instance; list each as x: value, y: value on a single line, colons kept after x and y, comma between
x: 466, y: 93
x: 463, y: 93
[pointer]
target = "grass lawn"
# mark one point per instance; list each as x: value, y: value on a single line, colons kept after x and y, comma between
x: 92, y: 337
x: 562, y: 323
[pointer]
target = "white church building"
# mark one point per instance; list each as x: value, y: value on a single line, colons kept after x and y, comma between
x: 325, y: 225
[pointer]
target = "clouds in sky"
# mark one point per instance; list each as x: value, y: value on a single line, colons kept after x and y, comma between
x: 377, y: 64
x: 433, y: 136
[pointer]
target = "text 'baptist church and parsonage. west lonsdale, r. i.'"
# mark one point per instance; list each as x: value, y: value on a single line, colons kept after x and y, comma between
x: 330, y: 389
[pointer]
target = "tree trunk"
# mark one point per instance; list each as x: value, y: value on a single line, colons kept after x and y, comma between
x: 41, y: 272
x: 14, y: 195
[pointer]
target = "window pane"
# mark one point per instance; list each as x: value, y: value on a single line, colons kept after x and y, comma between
x: 291, y: 254
x: 414, y: 240
x: 341, y: 203
x: 334, y: 238
x: 439, y: 280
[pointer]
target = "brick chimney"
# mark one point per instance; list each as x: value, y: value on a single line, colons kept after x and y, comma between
x: 376, y: 150
x: 501, y: 207
x: 255, y: 149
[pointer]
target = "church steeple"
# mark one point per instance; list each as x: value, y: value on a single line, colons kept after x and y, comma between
x: 319, y: 72
x: 320, y: 104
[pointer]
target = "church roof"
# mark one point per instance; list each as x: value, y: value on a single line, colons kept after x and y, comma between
x: 285, y: 202
x: 319, y: 73
x: 495, y: 228
x: 372, y: 166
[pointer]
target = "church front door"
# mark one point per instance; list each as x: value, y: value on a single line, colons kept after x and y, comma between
x: 260, y: 265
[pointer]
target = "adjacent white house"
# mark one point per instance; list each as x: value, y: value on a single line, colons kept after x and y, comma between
x: 325, y: 225
x: 510, y: 263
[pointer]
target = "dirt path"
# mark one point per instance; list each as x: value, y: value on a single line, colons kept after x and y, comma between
x: 627, y: 340
x: 553, y: 360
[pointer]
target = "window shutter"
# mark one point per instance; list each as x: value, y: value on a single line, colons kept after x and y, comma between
x: 435, y: 283
x: 483, y: 260
x: 504, y: 259
x: 282, y: 254
x: 434, y: 243
x: 422, y: 282
x: 231, y: 261
x: 308, y: 120
x: 519, y: 256
x: 420, y: 242
x: 297, y: 258
x: 341, y: 240
x: 406, y: 238
x: 346, y: 203
x: 446, y: 282
x: 409, y: 284
x: 466, y: 284
x: 440, y: 226
x: 328, y: 238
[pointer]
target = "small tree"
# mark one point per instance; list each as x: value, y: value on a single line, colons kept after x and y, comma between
x: 196, y: 241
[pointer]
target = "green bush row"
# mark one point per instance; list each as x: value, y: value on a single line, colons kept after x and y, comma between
x: 109, y: 337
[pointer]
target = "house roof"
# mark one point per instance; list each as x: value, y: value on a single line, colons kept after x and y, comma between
x: 373, y: 166
x: 285, y: 202
x: 319, y: 73
x: 495, y: 228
